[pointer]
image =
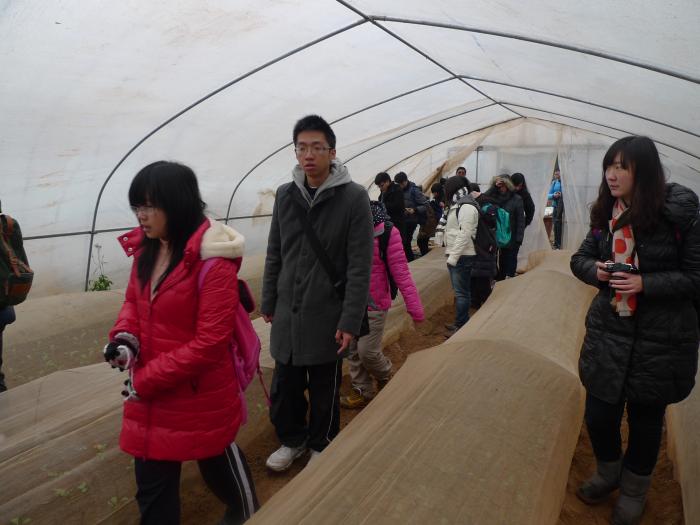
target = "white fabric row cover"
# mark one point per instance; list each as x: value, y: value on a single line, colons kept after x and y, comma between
x: 84, y: 84
x: 481, y: 429
x: 59, y: 433
x: 683, y: 429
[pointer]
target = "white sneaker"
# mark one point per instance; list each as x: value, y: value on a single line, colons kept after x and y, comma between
x: 283, y: 457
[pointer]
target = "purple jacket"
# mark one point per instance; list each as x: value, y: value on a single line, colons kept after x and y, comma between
x: 379, y: 290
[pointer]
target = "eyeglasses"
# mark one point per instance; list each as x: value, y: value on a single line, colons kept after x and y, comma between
x: 315, y: 149
x: 145, y: 210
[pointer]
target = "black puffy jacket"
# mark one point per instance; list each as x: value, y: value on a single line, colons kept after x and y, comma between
x: 513, y: 204
x: 651, y: 357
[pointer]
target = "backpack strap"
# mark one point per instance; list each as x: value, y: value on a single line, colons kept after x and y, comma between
x: 208, y: 263
x: 323, y: 258
x: 8, y: 225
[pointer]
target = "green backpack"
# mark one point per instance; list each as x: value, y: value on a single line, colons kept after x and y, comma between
x: 15, y: 275
x: 503, y: 232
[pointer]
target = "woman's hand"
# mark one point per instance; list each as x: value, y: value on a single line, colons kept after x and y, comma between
x: 602, y: 275
x: 627, y: 282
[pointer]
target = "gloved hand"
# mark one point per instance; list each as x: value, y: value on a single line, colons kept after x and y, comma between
x: 129, y: 391
x: 121, y: 353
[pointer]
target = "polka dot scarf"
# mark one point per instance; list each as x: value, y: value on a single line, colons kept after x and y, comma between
x: 623, y: 252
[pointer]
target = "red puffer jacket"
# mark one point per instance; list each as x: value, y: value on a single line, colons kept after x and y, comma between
x: 189, y: 406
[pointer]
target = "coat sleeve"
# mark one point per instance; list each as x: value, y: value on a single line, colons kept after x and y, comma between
x: 273, y: 264
x: 529, y: 206
x: 519, y: 219
x: 128, y: 318
x: 420, y: 199
x: 468, y: 220
x: 683, y: 283
x: 360, y: 249
x: 583, y: 261
x: 218, y: 300
x: 398, y: 265
x: 395, y: 203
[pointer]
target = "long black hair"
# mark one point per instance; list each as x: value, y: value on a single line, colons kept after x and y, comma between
x: 173, y: 188
x: 640, y: 155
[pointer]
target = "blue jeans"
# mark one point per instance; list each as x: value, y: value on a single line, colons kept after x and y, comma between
x: 460, y: 275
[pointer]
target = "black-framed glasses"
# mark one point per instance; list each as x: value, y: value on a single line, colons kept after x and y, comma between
x: 143, y: 210
x: 315, y: 149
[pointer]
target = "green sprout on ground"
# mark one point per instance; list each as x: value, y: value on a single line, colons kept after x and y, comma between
x: 64, y: 493
x: 102, y: 282
x: 20, y: 520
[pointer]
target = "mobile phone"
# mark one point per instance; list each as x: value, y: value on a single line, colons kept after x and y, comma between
x: 612, y: 267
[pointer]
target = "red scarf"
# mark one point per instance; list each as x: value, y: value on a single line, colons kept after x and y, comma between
x: 624, y: 251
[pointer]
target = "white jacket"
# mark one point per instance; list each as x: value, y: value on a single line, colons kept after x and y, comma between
x: 460, y: 233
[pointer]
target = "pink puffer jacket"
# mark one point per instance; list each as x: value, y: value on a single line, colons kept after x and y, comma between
x: 379, y: 290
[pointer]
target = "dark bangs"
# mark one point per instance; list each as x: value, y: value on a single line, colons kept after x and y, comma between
x: 639, y: 154
x: 173, y: 188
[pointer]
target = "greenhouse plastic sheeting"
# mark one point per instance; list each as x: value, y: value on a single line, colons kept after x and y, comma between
x: 92, y: 92
x: 481, y: 429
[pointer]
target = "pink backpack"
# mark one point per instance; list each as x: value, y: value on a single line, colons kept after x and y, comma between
x: 245, y: 344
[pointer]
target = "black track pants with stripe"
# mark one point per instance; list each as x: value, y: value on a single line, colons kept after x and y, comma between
x: 226, y: 475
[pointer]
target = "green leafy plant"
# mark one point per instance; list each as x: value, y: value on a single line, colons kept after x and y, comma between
x: 102, y: 282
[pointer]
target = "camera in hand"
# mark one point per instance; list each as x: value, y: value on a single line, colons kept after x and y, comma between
x: 612, y: 267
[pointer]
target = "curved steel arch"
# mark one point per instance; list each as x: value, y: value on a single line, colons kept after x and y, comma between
x: 587, y: 102
x: 425, y: 55
x: 357, y: 112
x: 548, y: 43
x: 418, y: 129
x: 191, y: 106
x: 449, y: 140
x: 627, y: 132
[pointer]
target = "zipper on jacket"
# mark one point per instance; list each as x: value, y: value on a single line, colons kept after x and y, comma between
x: 148, y: 417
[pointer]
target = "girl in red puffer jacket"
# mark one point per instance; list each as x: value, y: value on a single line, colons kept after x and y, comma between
x: 366, y: 358
x: 173, y: 337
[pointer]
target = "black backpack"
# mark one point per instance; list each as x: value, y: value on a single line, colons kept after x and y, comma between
x: 485, y: 242
x: 383, y: 246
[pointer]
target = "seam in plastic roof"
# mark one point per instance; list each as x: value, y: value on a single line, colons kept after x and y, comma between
x: 420, y: 128
x: 576, y: 49
x: 422, y: 53
x: 626, y: 132
x: 191, y: 106
x: 449, y: 140
x: 371, y: 106
x: 567, y: 97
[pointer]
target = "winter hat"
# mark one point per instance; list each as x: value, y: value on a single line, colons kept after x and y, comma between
x: 378, y: 212
x: 452, y: 185
x: 461, y: 192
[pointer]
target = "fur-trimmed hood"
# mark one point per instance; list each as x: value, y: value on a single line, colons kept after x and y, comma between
x: 221, y: 240
x: 506, y: 180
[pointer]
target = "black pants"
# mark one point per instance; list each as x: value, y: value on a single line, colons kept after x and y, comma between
x: 645, y: 427
x: 3, y: 387
x: 407, y: 237
x: 508, y: 262
x: 289, y: 405
x: 226, y: 475
x: 423, y: 244
x: 481, y: 289
x: 7, y: 316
